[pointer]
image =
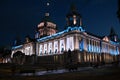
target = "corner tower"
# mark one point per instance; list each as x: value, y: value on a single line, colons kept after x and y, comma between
x: 46, y: 27
x: 113, y: 36
x: 73, y: 18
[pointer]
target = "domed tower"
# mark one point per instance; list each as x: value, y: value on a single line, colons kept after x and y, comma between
x: 46, y: 27
x: 73, y: 18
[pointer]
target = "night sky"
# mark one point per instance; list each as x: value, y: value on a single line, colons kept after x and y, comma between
x: 21, y: 17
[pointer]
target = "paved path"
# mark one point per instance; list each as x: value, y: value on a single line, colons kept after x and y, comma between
x: 59, y: 71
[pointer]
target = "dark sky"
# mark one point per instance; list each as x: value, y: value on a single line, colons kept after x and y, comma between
x: 21, y: 17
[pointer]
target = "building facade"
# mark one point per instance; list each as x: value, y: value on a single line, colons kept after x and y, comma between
x: 73, y: 44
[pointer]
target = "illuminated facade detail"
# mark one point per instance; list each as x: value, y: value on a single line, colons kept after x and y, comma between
x: 45, y: 49
x: 50, y: 48
x: 106, y: 39
x: 16, y: 47
x: 40, y: 49
x: 62, y: 46
x: 27, y: 51
x: 55, y: 47
x: 14, y: 51
x: 70, y: 43
x: 46, y: 28
x: 73, y: 18
x: 81, y: 45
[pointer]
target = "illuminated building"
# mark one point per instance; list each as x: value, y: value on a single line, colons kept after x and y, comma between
x: 46, y: 27
x: 51, y: 46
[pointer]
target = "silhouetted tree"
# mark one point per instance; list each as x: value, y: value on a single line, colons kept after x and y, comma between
x: 18, y: 57
x: 5, y: 53
x: 34, y: 58
x: 70, y: 56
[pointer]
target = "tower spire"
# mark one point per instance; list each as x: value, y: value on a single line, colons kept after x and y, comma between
x: 113, y: 36
x: 73, y: 18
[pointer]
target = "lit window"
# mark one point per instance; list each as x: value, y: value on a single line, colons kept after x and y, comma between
x: 74, y: 21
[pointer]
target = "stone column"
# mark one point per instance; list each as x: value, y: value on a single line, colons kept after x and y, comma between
x: 76, y: 41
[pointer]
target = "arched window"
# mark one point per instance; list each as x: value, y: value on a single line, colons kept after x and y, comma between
x: 62, y: 49
x: 55, y: 50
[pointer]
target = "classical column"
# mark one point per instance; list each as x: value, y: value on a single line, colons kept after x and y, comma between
x: 58, y: 47
x: 76, y: 41
x: 65, y: 43
x: 53, y: 47
x: 36, y: 50
x: 89, y: 49
x: 84, y: 44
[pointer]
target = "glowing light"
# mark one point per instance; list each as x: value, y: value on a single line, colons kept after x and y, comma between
x: 62, y: 45
x: 28, y: 51
x: 50, y: 48
x: 45, y: 48
x: 12, y: 54
x: 51, y: 24
x: 16, y: 47
x: 40, y: 49
x: 106, y: 38
x: 41, y: 24
x: 91, y: 48
x: 81, y: 45
x: 114, y: 43
x: 48, y: 4
x: 60, y: 33
x: 74, y: 20
x: 70, y: 43
x: 117, y: 50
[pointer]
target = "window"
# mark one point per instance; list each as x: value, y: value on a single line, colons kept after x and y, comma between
x: 62, y: 46
x: 62, y: 49
x: 50, y: 51
x: 55, y: 46
x: 70, y: 43
x: 56, y: 51
x: 45, y: 48
x: 45, y: 52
